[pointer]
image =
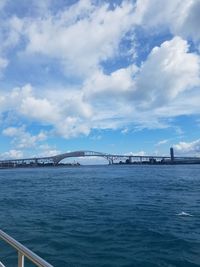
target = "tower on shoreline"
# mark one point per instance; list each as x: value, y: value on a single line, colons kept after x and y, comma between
x: 172, y: 153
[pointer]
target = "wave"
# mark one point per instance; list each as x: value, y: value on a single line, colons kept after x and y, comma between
x: 184, y: 214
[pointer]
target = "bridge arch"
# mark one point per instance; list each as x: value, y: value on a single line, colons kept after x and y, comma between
x: 82, y: 153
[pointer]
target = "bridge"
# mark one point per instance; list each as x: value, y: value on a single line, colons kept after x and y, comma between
x: 111, y: 158
x: 55, y: 160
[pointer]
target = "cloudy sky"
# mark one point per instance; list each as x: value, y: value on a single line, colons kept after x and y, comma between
x: 111, y: 76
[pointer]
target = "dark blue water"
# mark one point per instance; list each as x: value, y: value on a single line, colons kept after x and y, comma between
x: 103, y: 215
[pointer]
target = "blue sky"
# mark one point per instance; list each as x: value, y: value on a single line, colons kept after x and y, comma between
x: 109, y: 76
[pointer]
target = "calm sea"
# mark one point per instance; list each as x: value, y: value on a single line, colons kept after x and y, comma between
x: 103, y: 215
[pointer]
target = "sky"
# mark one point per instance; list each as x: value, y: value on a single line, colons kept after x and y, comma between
x: 109, y: 76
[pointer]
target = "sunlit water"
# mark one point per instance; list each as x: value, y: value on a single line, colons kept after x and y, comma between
x: 103, y: 215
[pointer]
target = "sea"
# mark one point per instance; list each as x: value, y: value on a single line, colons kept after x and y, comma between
x: 115, y: 215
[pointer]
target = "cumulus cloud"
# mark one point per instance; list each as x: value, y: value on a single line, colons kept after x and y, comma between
x: 181, y: 17
x: 167, y: 83
x: 23, y: 139
x: 80, y: 37
x: 10, y: 34
x: 9, y: 38
x: 66, y: 115
x: 168, y: 71
x: 26, y: 103
x: 12, y: 154
x: 83, y: 36
x: 39, y: 109
x: 190, y: 148
x: 42, y: 150
x: 46, y: 150
x: 116, y: 84
x: 139, y: 153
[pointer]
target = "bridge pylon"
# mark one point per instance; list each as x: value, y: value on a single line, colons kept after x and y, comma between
x: 110, y: 160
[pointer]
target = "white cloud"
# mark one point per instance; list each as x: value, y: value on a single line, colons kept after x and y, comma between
x: 10, y: 33
x: 12, y: 154
x: 181, y: 17
x: 162, y: 142
x: 190, y: 148
x: 80, y: 37
x: 23, y: 139
x: 146, y: 10
x: 68, y: 115
x: 168, y: 71
x: 169, y: 74
x: 39, y: 109
x: 139, y: 153
x: 125, y: 131
x: 117, y: 84
x: 3, y: 64
x: 13, y: 28
x: 24, y: 101
x: 46, y: 150
x: 167, y: 83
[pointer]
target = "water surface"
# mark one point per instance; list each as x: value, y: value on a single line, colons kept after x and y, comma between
x: 103, y: 215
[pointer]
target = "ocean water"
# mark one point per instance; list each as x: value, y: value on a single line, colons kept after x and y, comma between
x: 103, y: 215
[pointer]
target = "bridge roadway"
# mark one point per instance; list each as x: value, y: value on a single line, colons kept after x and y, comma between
x: 55, y: 160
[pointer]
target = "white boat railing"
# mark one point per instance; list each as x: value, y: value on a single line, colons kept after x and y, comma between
x: 23, y: 252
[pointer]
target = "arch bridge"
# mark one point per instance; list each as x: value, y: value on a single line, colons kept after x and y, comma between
x: 54, y: 160
x: 82, y: 153
x: 111, y: 158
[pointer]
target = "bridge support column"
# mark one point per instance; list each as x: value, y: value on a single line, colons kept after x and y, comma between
x: 55, y: 163
x: 110, y: 161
